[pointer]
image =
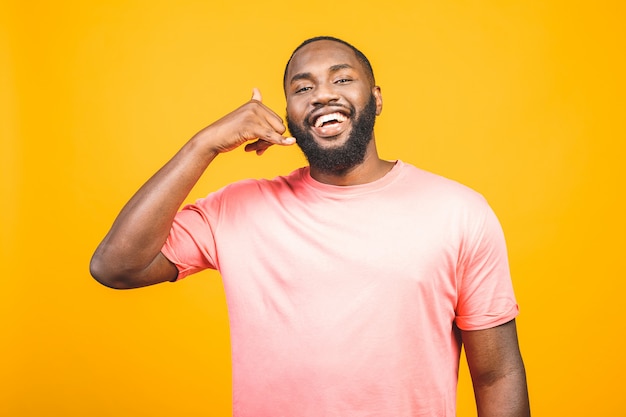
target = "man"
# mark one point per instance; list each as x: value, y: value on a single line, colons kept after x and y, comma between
x: 350, y: 283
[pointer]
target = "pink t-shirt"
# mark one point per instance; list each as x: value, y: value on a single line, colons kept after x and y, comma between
x: 343, y: 301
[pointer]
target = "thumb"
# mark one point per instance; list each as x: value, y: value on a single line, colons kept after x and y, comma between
x: 256, y: 94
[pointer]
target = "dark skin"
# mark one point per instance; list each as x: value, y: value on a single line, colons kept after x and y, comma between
x: 497, y: 371
x: 321, y: 74
x: 130, y: 254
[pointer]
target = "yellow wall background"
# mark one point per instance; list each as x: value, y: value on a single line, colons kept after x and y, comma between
x: 521, y: 100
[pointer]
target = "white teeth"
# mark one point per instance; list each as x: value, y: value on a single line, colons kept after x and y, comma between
x: 329, y: 117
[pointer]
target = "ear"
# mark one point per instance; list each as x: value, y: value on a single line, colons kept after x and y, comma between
x: 379, y: 99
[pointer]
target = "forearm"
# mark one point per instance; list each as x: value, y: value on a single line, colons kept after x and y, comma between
x: 129, y: 256
x: 506, y: 396
x: 140, y: 230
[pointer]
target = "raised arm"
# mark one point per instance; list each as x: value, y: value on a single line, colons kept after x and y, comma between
x: 130, y: 256
x: 497, y: 371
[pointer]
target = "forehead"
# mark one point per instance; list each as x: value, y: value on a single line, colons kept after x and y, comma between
x: 321, y: 56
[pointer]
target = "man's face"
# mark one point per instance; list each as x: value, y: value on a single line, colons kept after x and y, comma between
x: 331, y: 105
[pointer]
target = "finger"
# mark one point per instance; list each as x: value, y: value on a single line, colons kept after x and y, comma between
x: 275, y: 120
x: 258, y: 146
x: 276, y: 138
x: 261, y: 145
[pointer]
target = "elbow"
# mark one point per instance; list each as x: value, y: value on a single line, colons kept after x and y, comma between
x: 103, y: 272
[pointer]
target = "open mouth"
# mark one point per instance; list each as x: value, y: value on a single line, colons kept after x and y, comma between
x: 328, y: 125
x: 330, y: 119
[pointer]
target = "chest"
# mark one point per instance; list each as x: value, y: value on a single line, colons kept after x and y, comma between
x: 344, y: 243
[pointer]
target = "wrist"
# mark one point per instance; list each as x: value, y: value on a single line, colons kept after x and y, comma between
x: 204, y: 143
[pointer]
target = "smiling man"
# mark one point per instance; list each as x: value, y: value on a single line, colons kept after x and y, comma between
x: 335, y: 135
x: 351, y: 283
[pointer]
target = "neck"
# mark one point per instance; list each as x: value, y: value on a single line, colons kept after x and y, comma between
x: 371, y: 169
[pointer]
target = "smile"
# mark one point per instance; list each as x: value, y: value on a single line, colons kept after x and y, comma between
x: 331, y: 118
x: 329, y: 125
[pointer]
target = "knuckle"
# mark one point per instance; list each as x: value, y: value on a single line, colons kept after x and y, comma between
x: 270, y: 134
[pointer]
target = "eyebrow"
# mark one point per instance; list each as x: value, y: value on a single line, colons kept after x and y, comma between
x: 308, y: 75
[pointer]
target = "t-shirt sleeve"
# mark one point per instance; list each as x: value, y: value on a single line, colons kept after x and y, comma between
x: 486, y: 298
x: 191, y: 242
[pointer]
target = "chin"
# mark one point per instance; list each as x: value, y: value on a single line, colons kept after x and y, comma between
x: 339, y: 153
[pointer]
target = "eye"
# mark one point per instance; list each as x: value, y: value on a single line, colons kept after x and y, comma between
x: 343, y: 80
x: 302, y: 89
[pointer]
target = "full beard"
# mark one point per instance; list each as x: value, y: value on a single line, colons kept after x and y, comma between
x: 338, y: 160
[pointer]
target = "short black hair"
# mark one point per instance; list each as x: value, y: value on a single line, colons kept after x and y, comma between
x: 359, y: 55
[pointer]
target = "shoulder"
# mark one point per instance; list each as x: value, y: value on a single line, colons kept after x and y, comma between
x: 254, y: 186
x: 438, y: 188
x: 253, y: 191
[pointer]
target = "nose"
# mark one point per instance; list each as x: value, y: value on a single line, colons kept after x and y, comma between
x: 324, y: 94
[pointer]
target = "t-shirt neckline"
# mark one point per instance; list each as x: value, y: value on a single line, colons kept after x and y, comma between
x: 348, y: 190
